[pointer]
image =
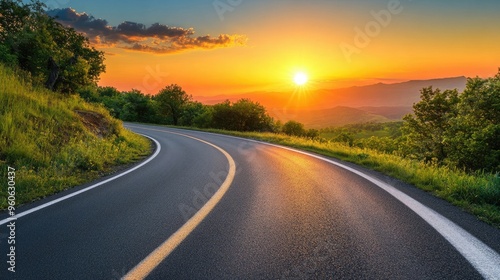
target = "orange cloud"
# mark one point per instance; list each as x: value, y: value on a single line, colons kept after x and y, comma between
x: 157, y: 38
x: 188, y: 43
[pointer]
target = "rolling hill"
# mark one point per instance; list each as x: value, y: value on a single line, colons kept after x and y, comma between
x: 333, y: 107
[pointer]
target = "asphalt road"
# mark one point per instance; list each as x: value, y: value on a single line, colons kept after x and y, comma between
x: 276, y: 213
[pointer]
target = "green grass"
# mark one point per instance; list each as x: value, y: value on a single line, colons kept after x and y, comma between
x: 358, y: 135
x: 45, y: 140
x: 364, y: 130
x: 478, y: 194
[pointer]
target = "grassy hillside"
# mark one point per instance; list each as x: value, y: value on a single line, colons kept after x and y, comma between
x: 55, y: 141
x: 359, y: 131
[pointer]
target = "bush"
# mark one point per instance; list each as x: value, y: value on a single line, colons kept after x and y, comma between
x: 293, y: 128
x: 459, y: 130
x: 243, y: 115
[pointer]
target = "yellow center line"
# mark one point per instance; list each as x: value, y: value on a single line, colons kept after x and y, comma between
x: 145, y: 267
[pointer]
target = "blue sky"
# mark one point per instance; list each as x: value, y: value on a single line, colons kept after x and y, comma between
x: 428, y: 39
x: 202, y: 15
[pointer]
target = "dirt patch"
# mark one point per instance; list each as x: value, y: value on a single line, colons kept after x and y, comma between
x: 97, y: 123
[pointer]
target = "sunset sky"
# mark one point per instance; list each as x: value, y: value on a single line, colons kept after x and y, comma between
x: 233, y: 46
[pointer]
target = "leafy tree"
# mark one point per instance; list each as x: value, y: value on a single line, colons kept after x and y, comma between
x: 191, y: 111
x: 345, y: 137
x: 222, y: 116
x: 112, y: 99
x: 294, y: 128
x: 205, y: 119
x: 108, y: 92
x: 89, y: 94
x: 277, y: 126
x: 137, y: 108
x: 54, y: 55
x: 475, y: 132
x: 250, y: 116
x: 171, y: 101
x: 7, y: 57
x: 458, y: 130
x: 243, y: 115
x: 312, y: 133
x: 426, y: 129
x: 15, y: 16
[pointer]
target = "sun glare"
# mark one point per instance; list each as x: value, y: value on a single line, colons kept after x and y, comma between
x: 300, y: 79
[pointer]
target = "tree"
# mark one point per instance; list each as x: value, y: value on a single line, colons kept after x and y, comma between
x: 7, y: 57
x: 89, y: 94
x: 112, y: 99
x: 312, y: 133
x: 137, y: 108
x: 460, y: 130
x: 426, y: 129
x: 55, y: 56
x: 244, y: 115
x: 222, y: 116
x: 294, y: 128
x: 344, y: 136
x: 191, y: 111
x: 474, y: 134
x: 14, y: 17
x: 171, y: 101
x: 250, y: 116
x: 205, y: 119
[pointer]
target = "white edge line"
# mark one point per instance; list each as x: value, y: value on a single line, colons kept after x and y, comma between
x: 45, y: 205
x: 484, y: 259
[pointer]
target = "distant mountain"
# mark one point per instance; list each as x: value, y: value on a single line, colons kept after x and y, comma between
x: 337, y: 107
x: 378, y: 95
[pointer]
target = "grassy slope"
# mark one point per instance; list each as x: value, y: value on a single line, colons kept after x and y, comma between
x: 358, y: 135
x: 478, y: 194
x: 363, y: 131
x: 51, y: 146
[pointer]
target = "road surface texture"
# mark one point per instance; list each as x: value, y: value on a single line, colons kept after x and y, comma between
x: 209, y: 206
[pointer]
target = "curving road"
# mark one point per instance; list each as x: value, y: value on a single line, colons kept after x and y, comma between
x: 208, y: 206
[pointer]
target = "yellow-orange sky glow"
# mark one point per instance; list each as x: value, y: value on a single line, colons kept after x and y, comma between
x: 400, y: 40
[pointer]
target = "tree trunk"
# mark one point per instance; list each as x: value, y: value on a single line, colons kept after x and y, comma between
x: 53, y: 75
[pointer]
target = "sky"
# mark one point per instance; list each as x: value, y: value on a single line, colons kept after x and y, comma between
x: 212, y: 47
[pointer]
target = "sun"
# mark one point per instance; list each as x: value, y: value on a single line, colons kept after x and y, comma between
x: 300, y: 78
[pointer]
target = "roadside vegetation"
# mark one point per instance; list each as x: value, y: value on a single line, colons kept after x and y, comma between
x: 55, y: 142
x: 58, y: 128
x: 54, y: 56
x: 476, y: 192
x: 449, y: 146
x: 51, y: 137
x: 447, y: 128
